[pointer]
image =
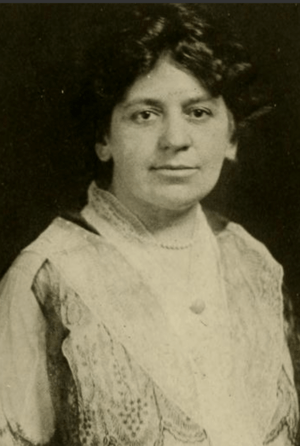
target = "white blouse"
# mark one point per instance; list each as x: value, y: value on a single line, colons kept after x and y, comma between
x: 114, y: 339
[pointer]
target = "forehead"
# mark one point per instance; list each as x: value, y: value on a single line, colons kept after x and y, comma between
x: 166, y: 81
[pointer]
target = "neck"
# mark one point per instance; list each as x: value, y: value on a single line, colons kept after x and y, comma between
x: 166, y: 225
x: 170, y: 226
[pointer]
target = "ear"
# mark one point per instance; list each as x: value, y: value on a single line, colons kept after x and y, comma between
x: 231, y: 151
x: 102, y: 151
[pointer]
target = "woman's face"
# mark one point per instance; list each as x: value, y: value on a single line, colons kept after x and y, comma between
x: 168, y: 139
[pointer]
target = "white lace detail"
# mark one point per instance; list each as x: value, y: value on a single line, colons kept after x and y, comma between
x: 110, y: 209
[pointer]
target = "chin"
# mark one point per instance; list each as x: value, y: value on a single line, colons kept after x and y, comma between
x: 179, y: 202
x: 181, y: 196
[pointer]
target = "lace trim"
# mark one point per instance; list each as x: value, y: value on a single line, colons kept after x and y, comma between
x: 176, y: 422
x: 107, y: 206
x: 86, y: 350
x: 116, y: 401
x: 288, y: 420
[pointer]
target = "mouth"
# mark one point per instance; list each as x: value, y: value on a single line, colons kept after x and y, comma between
x: 175, y: 167
x: 176, y: 171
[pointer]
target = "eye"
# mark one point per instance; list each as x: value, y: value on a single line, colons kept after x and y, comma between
x: 199, y: 113
x: 144, y: 117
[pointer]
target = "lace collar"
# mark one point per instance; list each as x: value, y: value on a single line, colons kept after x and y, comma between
x: 111, y: 211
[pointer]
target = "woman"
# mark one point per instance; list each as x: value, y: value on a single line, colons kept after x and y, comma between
x: 151, y: 321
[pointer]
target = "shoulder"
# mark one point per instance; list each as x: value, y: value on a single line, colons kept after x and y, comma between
x: 236, y: 242
x: 62, y: 238
x: 251, y: 274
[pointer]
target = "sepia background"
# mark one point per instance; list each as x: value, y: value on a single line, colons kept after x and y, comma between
x: 46, y: 154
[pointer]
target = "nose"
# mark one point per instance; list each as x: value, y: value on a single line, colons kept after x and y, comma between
x: 175, y: 134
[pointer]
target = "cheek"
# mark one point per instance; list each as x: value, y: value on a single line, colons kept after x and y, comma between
x: 120, y: 149
x: 213, y: 148
x: 127, y: 161
x: 133, y: 148
x: 216, y: 160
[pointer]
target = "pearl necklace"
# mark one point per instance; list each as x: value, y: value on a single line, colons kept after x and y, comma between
x: 176, y: 247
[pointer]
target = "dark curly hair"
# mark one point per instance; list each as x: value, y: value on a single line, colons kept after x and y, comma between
x: 130, y: 38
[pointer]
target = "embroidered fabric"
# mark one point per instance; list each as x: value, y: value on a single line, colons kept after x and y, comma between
x: 208, y: 348
x: 76, y: 315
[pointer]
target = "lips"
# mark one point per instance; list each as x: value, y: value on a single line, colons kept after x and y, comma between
x: 175, y: 167
x: 175, y: 172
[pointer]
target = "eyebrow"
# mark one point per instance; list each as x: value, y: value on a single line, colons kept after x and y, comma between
x: 158, y: 103
x: 143, y: 101
x: 198, y: 99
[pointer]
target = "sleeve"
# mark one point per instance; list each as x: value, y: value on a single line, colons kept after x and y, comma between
x: 26, y: 410
x: 284, y: 425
